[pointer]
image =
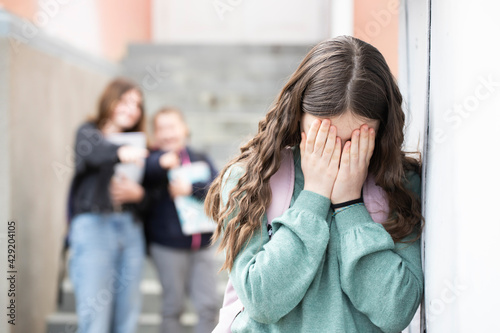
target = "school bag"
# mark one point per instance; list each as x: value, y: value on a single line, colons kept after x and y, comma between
x: 282, y: 183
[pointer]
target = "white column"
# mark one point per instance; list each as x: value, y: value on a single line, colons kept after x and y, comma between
x: 463, y: 223
x: 413, y: 82
x: 342, y: 17
x: 462, y: 156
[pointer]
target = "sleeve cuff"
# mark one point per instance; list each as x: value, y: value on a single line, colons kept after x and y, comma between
x: 116, y: 159
x: 314, y: 203
x: 352, y: 217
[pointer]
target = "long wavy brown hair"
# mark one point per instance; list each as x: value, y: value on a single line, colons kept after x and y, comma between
x: 339, y: 75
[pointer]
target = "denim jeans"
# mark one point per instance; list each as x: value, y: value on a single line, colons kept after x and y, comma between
x: 107, y: 257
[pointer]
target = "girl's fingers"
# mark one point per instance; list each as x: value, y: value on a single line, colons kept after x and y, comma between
x: 337, y: 152
x: 330, y: 143
x: 321, y: 137
x: 345, y: 160
x: 311, y: 136
x: 302, y: 143
x: 354, y: 154
x: 371, y: 144
x: 363, y: 143
x: 145, y: 153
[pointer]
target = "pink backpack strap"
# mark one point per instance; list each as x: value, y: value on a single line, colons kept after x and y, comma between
x: 282, y: 183
x: 231, y: 307
x: 375, y: 200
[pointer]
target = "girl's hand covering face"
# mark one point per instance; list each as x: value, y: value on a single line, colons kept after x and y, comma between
x: 354, y: 164
x: 320, y: 155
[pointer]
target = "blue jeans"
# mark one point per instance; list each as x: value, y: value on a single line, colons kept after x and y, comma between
x: 107, y: 257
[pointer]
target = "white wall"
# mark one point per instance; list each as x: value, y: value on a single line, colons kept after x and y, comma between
x: 413, y: 81
x: 75, y: 22
x: 462, y: 160
x: 413, y: 69
x: 342, y: 17
x: 240, y: 21
x: 5, y: 182
x: 46, y: 91
x: 462, y: 196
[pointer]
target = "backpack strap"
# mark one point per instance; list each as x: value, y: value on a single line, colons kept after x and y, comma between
x: 375, y: 200
x: 282, y: 183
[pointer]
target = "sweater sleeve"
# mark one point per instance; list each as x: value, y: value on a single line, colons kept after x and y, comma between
x: 382, y: 279
x: 272, y: 276
x: 93, y: 149
x: 153, y: 172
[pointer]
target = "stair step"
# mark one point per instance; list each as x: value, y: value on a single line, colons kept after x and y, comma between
x: 228, y: 82
x: 148, y: 323
x: 150, y: 290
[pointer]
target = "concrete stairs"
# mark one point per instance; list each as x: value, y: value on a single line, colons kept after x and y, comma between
x: 65, y: 319
x: 223, y: 90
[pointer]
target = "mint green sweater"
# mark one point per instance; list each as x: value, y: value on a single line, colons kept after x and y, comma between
x: 321, y: 273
